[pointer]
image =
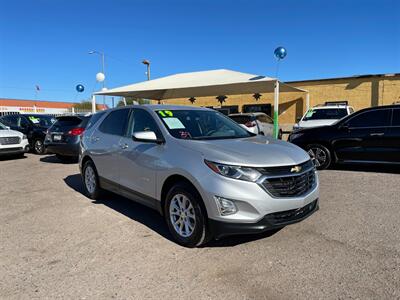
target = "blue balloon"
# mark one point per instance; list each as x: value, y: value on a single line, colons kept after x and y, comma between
x: 80, y: 88
x: 280, y: 53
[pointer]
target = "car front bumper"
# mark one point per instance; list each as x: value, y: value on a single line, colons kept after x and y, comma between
x: 268, y: 222
x: 15, y: 149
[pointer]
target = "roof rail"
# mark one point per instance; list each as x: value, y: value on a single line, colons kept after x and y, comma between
x: 341, y: 102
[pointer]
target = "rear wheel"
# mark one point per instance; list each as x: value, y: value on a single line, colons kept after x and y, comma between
x: 185, y: 216
x: 38, y: 147
x: 321, y: 156
x: 280, y: 134
x: 90, y: 180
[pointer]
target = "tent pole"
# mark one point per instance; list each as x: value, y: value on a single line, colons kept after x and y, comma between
x: 276, y: 109
x: 93, y: 103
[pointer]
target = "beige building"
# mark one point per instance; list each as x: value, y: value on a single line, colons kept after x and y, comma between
x: 360, y: 92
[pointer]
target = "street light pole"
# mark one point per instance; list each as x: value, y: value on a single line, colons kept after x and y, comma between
x: 102, y: 70
x: 147, y: 63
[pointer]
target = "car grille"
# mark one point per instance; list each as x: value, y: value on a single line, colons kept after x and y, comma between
x: 290, y: 185
x: 292, y: 215
x: 10, y: 140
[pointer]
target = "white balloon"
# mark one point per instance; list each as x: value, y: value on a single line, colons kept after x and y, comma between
x: 104, y: 89
x: 100, y: 77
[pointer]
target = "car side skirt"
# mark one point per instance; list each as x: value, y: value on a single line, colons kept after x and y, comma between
x: 130, y: 194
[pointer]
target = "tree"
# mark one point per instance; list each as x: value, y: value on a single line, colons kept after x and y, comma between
x: 85, y: 105
x: 131, y: 100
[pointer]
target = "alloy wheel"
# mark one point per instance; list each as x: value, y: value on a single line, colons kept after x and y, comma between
x: 182, y: 215
x: 38, y: 146
x: 318, y: 155
x: 90, y: 179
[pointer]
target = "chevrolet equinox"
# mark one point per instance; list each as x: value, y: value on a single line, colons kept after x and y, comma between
x: 207, y: 176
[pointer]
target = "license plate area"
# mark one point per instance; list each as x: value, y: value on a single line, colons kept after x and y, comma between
x: 57, y: 138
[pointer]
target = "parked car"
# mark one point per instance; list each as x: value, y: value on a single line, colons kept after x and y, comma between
x: 323, y: 115
x: 257, y: 122
x: 34, y: 126
x: 206, y: 174
x: 371, y: 135
x: 12, y: 142
x: 64, y: 136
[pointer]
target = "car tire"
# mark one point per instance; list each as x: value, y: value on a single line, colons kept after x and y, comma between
x: 186, y: 216
x: 90, y: 180
x: 38, y: 147
x: 321, y: 155
x: 280, y: 134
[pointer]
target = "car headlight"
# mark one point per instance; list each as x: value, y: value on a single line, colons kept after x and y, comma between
x: 24, y: 137
x: 295, y: 135
x: 235, y: 172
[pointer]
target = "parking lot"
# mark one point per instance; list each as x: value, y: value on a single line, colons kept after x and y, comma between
x: 57, y: 243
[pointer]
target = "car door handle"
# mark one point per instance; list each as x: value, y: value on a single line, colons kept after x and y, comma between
x: 376, y: 134
x: 124, y: 146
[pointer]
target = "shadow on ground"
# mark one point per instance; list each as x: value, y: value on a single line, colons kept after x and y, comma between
x: 52, y: 159
x: 11, y: 157
x: 373, y: 168
x: 151, y: 218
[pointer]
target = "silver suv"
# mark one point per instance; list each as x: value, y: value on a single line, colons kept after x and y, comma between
x: 207, y: 176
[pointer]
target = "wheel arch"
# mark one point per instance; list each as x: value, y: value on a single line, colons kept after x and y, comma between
x: 170, y: 181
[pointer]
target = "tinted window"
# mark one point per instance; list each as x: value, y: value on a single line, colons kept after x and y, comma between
x: 10, y: 120
x: 241, y: 119
x: 396, y: 117
x: 265, y: 119
x: 40, y: 120
x: 141, y: 120
x: 115, y: 122
x: 94, y: 118
x: 68, y: 121
x: 373, y: 118
x: 325, y: 114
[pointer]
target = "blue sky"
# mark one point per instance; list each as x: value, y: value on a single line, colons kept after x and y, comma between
x: 46, y: 42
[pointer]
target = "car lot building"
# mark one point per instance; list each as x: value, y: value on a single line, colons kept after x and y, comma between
x: 12, y: 106
x: 360, y: 92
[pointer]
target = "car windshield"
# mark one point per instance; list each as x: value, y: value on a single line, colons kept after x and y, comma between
x: 325, y: 114
x: 42, y: 120
x: 2, y: 126
x: 201, y: 125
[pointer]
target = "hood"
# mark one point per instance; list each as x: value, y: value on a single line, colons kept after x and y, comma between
x: 316, y: 123
x: 258, y: 151
x: 10, y: 133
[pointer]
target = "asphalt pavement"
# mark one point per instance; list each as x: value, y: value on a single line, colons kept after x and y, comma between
x: 56, y: 243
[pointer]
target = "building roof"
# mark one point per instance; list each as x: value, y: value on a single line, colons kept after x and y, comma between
x: 41, y: 103
x: 346, y: 77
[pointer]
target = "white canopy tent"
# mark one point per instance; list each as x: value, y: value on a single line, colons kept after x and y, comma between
x: 202, y: 84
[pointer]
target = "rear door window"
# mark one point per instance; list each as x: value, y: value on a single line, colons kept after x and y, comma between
x: 372, y: 118
x: 115, y: 122
x: 396, y: 117
x: 241, y: 119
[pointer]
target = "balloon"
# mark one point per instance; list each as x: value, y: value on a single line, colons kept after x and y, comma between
x: 80, y: 88
x: 280, y: 53
x: 100, y: 77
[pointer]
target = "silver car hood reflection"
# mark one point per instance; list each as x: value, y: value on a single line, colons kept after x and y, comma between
x: 258, y: 151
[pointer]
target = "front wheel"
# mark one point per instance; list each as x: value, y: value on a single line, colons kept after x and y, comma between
x: 185, y: 216
x: 321, y: 156
x: 38, y: 147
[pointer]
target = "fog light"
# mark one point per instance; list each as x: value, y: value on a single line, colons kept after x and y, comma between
x: 225, y: 206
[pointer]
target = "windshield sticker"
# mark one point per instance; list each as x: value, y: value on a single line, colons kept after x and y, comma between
x: 34, y: 120
x: 165, y: 113
x: 310, y: 113
x: 174, y: 123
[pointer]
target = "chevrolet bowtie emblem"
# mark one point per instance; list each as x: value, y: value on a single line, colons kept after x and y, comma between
x: 295, y: 169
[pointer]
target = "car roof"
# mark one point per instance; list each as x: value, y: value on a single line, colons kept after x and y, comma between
x: 155, y: 107
x: 247, y: 114
x: 330, y: 106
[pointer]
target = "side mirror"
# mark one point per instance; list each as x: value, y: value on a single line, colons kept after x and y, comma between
x: 146, y: 137
x: 8, y: 127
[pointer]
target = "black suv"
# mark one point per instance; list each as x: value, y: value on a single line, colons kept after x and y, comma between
x: 33, y: 125
x: 64, y: 136
x: 371, y: 135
